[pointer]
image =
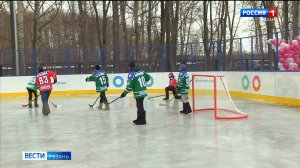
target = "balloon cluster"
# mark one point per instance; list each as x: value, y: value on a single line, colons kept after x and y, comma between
x: 288, y: 53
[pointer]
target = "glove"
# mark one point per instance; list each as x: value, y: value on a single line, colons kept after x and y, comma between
x: 123, y: 95
x: 54, y: 82
x: 86, y: 79
x: 107, y: 84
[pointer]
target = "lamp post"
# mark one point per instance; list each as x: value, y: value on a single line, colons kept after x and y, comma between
x: 16, y: 39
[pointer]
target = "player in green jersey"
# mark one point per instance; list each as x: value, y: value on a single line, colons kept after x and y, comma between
x: 101, y: 80
x: 32, y: 88
x: 183, y: 87
x: 136, y: 82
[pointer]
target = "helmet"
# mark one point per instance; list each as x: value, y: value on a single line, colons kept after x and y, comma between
x: 131, y: 64
x: 170, y: 74
x: 182, y: 67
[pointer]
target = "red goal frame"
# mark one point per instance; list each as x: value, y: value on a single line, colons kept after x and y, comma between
x: 215, y: 107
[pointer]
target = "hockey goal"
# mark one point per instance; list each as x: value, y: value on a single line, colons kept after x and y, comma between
x: 210, y: 92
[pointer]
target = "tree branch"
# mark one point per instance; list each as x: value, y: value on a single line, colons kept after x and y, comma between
x: 50, y: 20
x: 48, y: 10
x: 30, y: 5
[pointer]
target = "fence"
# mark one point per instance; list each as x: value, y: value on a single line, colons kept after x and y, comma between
x: 245, y: 54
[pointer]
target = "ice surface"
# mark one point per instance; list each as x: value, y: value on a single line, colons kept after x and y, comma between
x: 270, y: 137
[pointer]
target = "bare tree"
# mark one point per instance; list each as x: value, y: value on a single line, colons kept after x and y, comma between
x: 12, y: 30
x: 206, y: 42
x: 41, y: 18
x: 149, y: 30
x: 82, y: 36
x: 270, y: 28
x: 136, y: 26
x: 296, y: 20
x: 125, y: 55
x: 231, y: 23
x: 20, y: 29
x: 104, y: 30
x: 168, y: 25
x: 174, y: 35
x: 223, y: 33
x: 259, y: 36
x: 286, y: 20
x: 116, y: 38
x: 97, y: 24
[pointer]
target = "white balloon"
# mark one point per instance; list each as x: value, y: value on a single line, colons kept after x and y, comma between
x: 290, y: 60
x: 295, y: 42
x: 269, y: 41
x: 291, y: 65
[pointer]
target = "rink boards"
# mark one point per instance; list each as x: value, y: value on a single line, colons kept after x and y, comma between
x: 280, y: 87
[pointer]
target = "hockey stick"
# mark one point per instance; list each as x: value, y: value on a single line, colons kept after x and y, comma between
x: 56, y: 106
x: 114, y: 100
x: 94, y: 102
x: 161, y: 104
x: 25, y: 105
x: 156, y: 96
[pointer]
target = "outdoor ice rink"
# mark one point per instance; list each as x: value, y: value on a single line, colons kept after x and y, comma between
x: 269, y: 138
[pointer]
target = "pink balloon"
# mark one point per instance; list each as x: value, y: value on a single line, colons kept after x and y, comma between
x: 285, y: 66
x: 273, y: 42
x: 282, y: 60
x: 282, y: 41
x: 287, y: 49
x: 296, y: 38
x: 281, y: 52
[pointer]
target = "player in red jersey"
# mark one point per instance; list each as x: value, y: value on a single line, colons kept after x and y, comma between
x: 43, y: 81
x: 172, y: 87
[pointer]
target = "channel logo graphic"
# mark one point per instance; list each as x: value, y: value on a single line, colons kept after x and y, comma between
x: 259, y: 12
x: 52, y: 155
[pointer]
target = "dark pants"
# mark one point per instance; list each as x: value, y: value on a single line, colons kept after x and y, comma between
x: 170, y: 88
x: 103, y: 98
x: 141, y: 114
x: 45, y: 96
x: 30, y: 94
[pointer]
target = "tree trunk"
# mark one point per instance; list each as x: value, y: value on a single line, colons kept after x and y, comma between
x: 223, y: 34
x: 126, y: 53
x: 286, y: 20
x: 270, y: 28
x: 210, y: 67
x: 12, y: 30
x: 295, y: 18
x: 82, y: 38
x: 260, y: 38
x: 162, y: 32
x: 136, y: 28
x: 174, y: 36
x: 168, y: 33
x: 35, y: 31
x: 231, y: 24
x: 205, y: 34
x: 97, y: 24
x: 20, y: 29
x: 149, y: 30
x: 104, y: 32
x: 189, y: 28
x: 182, y: 30
x: 116, y: 37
